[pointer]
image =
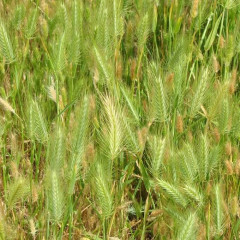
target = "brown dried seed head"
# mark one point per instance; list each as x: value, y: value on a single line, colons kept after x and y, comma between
x: 32, y: 228
x: 142, y: 136
x: 170, y: 79
x: 234, y: 75
x: 156, y: 212
x: 2, y: 209
x: 167, y: 153
x: 14, y: 169
x: 163, y: 228
x: 90, y: 151
x: 229, y: 167
x: 119, y: 70
x: 232, y: 85
x: 35, y: 190
x: 71, y: 121
x: 27, y: 163
x: 216, y: 85
x: 92, y: 102
x: 6, y: 80
x: 93, y: 221
x: 228, y: 148
x: 232, y: 88
x: 140, y: 72
x: 216, y: 134
x: 201, y: 232
x: 226, y: 210
x: 179, y: 124
x: 207, y: 207
x: 155, y: 228
x: 145, y: 105
x: 216, y: 64
x: 237, y: 167
x: 190, y: 136
x: 209, y: 188
x: 194, y: 10
x: 44, y: 6
x: 14, y: 145
x: 222, y: 42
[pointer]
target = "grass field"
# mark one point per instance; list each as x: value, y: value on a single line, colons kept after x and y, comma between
x: 119, y: 119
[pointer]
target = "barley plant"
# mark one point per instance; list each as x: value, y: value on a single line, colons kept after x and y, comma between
x: 119, y: 119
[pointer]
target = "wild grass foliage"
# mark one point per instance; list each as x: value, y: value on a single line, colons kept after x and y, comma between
x: 119, y: 119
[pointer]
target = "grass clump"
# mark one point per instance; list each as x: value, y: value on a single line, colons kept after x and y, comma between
x: 119, y: 119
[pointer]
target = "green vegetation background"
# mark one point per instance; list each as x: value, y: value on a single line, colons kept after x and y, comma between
x: 119, y: 119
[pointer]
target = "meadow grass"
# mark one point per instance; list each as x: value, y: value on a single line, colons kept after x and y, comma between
x: 119, y: 119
